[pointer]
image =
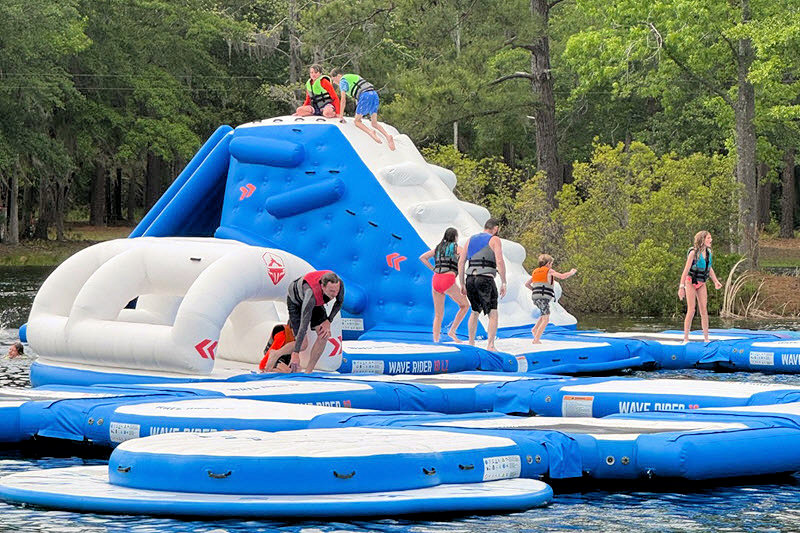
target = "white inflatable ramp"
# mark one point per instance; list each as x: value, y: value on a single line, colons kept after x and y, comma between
x: 327, y: 472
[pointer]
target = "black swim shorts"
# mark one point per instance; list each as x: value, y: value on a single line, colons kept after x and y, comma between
x: 481, y: 293
x: 318, y: 316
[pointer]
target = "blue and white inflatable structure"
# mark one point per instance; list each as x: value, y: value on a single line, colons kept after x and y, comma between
x: 148, y: 345
x: 256, y: 208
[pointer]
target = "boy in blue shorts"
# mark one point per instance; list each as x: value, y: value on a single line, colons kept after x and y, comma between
x: 367, y: 102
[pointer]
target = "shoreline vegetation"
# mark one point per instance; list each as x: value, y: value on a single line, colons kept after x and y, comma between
x: 38, y: 252
x: 772, y: 292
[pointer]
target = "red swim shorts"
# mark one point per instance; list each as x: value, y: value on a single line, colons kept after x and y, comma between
x: 443, y: 281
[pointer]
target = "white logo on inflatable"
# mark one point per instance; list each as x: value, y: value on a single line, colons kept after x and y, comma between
x: 275, y: 267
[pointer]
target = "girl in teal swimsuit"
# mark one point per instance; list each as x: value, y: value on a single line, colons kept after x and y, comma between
x: 696, y: 271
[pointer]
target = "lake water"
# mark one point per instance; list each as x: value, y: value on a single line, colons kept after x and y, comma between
x: 766, y: 504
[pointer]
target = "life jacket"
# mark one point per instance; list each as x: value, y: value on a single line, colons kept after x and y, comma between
x: 281, y: 334
x: 541, y: 285
x: 700, y: 275
x: 481, y: 256
x: 312, y: 278
x: 356, y: 85
x: 319, y: 96
x: 445, y: 258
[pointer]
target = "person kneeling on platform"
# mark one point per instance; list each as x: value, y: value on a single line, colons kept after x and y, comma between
x: 543, y: 292
x: 306, y: 301
x: 282, y: 337
x: 321, y: 99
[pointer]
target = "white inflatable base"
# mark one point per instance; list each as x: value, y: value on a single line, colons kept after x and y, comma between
x: 86, y: 489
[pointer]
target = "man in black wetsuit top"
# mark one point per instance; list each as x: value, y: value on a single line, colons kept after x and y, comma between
x: 306, y: 302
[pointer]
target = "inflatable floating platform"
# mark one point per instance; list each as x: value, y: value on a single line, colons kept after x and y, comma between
x: 293, y: 474
x: 109, y: 415
x: 148, y: 344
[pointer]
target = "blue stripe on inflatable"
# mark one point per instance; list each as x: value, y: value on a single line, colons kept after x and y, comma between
x: 51, y: 374
x: 86, y: 489
x: 180, y: 181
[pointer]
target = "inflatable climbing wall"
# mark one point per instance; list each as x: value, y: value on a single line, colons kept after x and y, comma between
x: 324, y: 191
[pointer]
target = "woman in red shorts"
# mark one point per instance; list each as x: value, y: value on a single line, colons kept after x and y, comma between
x: 445, y: 270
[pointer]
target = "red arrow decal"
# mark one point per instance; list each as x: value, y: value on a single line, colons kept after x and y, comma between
x: 247, y: 191
x: 337, y: 345
x: 201, y: 347
x: 394, y: 260
x: 206, y: 348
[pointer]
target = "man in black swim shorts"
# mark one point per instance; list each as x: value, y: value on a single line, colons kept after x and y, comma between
x: 482, y: 261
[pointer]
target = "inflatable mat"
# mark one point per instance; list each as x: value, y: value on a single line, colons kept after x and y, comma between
x: 213, y: 414
x: 86, y: 489
x: 600, y: 397
x: 358, y: 465
x: 659, y: 445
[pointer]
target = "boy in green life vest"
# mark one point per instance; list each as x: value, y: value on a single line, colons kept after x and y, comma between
x: 367, y: 102
x: 321, y: 99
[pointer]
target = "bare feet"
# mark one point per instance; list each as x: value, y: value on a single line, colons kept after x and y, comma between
x: 390, y: 142
x: 453, y: 336
x: 491, y: 348
x: 534, y: 341
x: 375, y: 137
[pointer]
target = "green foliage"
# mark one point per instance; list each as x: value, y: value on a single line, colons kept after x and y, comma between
x: 629, y: 218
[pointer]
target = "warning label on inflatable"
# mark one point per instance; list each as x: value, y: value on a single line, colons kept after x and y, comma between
x: 367, y: 367
x: 120, y: 432
x: 353, y: 324
x: 762, y: 358
x: 577, y: 405
x: 501, y: 467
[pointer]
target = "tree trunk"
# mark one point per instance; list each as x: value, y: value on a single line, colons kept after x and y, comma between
x: 131, y: 200
x: 744, y: 112
x: 295, y: 63
x: 545, y: 113
x: 13, y: 210
x: 764, y: 194
x: 109, y: 192
x: 60, y: 209
x: 118, y: 196
x: 509, y: 155
x: 27, y: 213
x: 152, y: 186
x: 97, y: 196
x: 787, y: 195
x: 45, y: 210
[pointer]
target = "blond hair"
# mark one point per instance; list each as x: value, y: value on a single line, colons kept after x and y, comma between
x: 544, y: 259
x: 699, y: 241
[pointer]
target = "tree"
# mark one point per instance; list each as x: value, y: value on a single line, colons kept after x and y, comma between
x: 657, y: 48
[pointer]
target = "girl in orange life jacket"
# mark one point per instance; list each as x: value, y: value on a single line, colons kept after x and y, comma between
x: 693, y: 282
x: 543, y: 292
x: 282, y: 336
x: 445, y: 269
